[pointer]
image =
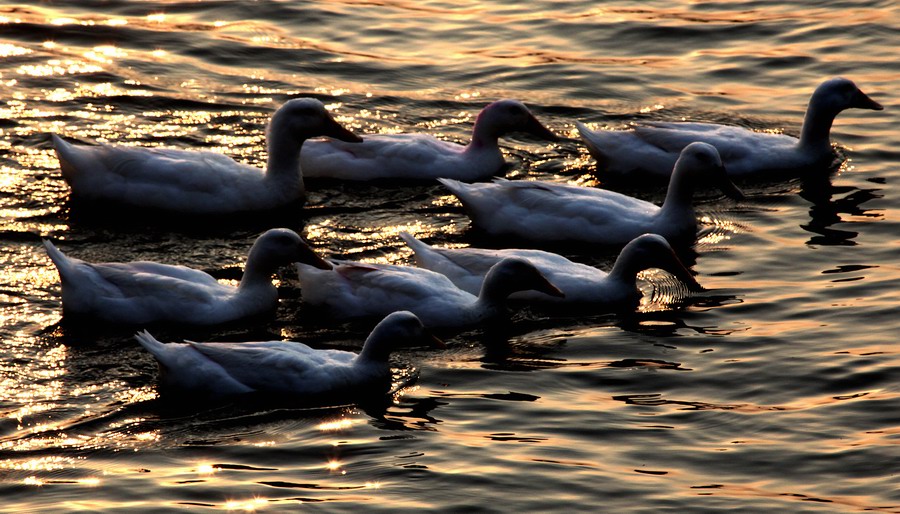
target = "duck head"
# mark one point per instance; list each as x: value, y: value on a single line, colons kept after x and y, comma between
x: 835, y: 95
x: 699, y: 165
x: 304, y: 118
x: 513, y: 274
x: 280, y: 246
x: 505, y: 116
x: 401, y: 328
x: 652, y: 251
x: 827, y: 101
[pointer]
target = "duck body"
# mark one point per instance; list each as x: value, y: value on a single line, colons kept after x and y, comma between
x: 169, y: 179
x: 399, y: 156
x: 422, y: 156
x: 199, y: 182
x: 147, y: 292
x: 580, y: 283
x: 283, y: 368
x: 234, y: 368
x: 541, y: 211
x: 353, y: 289
x: 649, y: 150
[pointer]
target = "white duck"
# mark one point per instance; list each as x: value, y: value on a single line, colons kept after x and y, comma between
x: 146, y: 292
x: 466, y: 268
x: 545, y: 211
x: 650, y: 149
x: 285, y: 368
x: 421, y: 156
x: 353, y: 289
x: 200, y: 182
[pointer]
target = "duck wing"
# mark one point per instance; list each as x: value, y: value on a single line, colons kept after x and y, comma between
x: 191, y: 171
x: 571, y: 200
x: 381, y: 156
x: 281, y: 367
x: 733, y: 143
x: 552, y: 212
x: 464, y: 267
x: 144, y: 282
x: 467, y: 267
x: 468, y: 260
x: 397, y: 285
x: 673, y: 137
x: 687, y: 126
x: 164, y: 270
x: 158, y: 177
x: 142, y: 164
x: 419, y: 149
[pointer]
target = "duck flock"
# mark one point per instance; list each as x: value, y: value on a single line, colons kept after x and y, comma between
x: 449, y: 288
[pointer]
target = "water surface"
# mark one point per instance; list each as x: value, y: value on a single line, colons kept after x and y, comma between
x: 776, y: 390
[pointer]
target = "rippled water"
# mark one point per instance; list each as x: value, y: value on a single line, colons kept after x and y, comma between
x: 776, y: 390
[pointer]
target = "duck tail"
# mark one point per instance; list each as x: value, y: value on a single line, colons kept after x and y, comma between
x: 449, y: 183
x: 419, y: 248
x: 592, y: 142
x: 68, y: 157
x: 412, y: 241
x: 151, y: 344
x: 63, y: 264
x: 459, y: 189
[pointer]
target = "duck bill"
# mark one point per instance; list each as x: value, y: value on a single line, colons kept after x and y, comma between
x: 547, y: 288
x: 682, y: 273
x: 436, y: 342
x: 728, y: 188
x: 306, y: 255
x: 862, y: 101
x: 337, y: 131
x: 536, y: 129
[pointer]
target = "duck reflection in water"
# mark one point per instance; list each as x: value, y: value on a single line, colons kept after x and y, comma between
x: 828, y: 203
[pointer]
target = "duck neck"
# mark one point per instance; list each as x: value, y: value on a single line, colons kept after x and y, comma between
x: 485, y: 135
x: 679, y: 197
x: 257, y: 272
x: 624, y: 271
x: 283, y: 165
x: 371, y: 350
x: 816, y: 130
x: 494, y: 290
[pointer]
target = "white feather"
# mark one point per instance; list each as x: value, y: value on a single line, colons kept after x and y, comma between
x: 188, y: 181
x: 146, y: 292
x: 545, y: 211
x: 651, y: 149
x: 283, y: 368
x: 421, y: 156
x: 353, y: 289
x: 466, y: 268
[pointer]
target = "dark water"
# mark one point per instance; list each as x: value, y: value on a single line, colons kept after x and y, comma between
x: 777, y: 390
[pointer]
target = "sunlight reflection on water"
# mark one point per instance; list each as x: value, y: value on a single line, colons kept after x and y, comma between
x: 772, y: 390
